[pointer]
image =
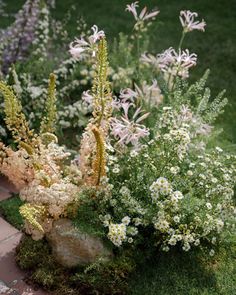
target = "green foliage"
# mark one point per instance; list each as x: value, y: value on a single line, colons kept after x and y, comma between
x: 48, y: 122
x: 110, y: 277
x: 15, y: 119
x: 30, y: 254
x: 105, y: 278
x: 10, y: 210
x: 36, y: 256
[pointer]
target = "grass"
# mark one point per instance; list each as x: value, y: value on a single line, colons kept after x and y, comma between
x: 10, y: 210
x: 181, y: 273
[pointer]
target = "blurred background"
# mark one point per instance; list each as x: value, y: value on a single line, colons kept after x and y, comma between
x: 216, y: 48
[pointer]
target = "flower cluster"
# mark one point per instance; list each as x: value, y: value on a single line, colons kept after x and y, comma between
x: 117, y: 233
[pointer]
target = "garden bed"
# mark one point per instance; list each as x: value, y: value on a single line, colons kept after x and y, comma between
x: 125, y: 184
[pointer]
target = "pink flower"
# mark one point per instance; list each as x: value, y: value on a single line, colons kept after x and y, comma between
x: 187, y: 19
x: 129, y: 131
x: 128, y: 94
x: 144, y: 15
x: 171, y: 62
x: 87, y: 97
x: 148, y: 93
x: 80, y: 48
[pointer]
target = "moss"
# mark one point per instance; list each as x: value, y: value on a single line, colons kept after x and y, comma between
x: 101, y: 278
x: 30, y: 253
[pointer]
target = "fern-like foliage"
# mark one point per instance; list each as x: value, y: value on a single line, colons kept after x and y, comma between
x: 199, y: 97
x: 32, y: 214
x: 48, y: 122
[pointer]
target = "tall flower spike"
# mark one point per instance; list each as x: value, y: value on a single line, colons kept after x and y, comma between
x: 102, y: 98
x: 15, y: 119
x: 99, y: 162
x: 92, y: 151
x: 48, y: 123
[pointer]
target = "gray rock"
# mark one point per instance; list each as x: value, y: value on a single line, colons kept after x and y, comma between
x: 72, y: 247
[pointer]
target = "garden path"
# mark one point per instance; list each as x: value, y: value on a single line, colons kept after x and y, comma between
x: 11, y: 277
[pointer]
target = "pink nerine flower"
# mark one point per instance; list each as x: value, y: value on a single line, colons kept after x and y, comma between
x: 187, y: 19
x: 129, y: 131
x: 80, y: 48
x: 149, y: 93
x: 144, y: 15
x: 87, y: 97
x: 171, y: 62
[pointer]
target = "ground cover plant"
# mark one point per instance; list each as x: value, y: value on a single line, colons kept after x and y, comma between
x: 148, y: 176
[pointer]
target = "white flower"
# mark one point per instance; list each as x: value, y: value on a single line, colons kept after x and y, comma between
x: 209, y: 206
x: 176, y: 219
x: 116, y: 169
x: 130, y: 240
x: 126, y: 220
x: 190, y: 173
x: 117, y: 233
x: 187, y: 19
x: 162, y: 225
x: 219, y: 150
x: 213, y: 240
x: 165, y: 248
x: 197, y: 242
x: 160, y: 187
x: 186, y: 247
x: 172, y: 241
x: 174, y: 170
x: 177, y: 195
x: 133, y: 154
x: 212, y: 252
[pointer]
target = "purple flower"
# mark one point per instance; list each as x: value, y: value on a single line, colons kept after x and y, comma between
x: 17, y: 39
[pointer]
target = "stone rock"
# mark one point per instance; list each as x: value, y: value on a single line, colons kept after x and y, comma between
x: 72, y: 247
